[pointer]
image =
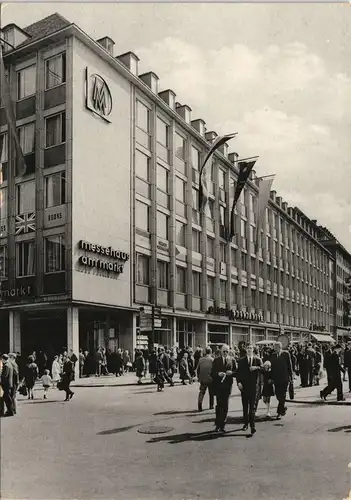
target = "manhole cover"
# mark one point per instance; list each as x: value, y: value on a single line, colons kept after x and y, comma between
x: 155, y: 429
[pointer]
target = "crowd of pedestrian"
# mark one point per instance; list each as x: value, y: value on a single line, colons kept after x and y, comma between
x: 258, y: 372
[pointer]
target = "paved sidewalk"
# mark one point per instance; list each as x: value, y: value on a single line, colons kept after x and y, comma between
x: 113, y: 381
x: 310, y: 395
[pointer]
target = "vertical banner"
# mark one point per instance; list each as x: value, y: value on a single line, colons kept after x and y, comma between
x: 203, y: 191
x: 262, y: 201
x: 245, y: 168
x: 5, y: 96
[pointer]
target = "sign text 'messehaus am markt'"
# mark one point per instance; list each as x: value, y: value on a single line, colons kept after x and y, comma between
x: 115, y: 268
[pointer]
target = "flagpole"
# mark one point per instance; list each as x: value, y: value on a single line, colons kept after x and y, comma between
x: 265, y: 176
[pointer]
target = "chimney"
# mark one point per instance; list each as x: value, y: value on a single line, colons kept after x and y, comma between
x: 278, y: 200
x: 107, y: 43
x: 130, y: 61
x: 285, y: 206
x: 273, y: 195
x: 314, y: 221
x: 291, y: 212
x: 199, y: 126
x: 233, y: 158
x: 252, y: 175
x: 168, y: 96
x: 151, y: 80
x: 184, y: 111
x: 210, y: 136
x: 224, y: 149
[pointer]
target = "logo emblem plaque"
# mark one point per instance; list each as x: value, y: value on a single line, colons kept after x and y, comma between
x: 98, y: 98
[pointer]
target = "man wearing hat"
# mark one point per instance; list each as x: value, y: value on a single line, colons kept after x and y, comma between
x: 7, y: 384
x: 223, y: 370
x: 335, y: 369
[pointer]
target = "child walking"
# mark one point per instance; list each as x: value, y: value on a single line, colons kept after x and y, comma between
x: 268, y: 389
x: 47, y: 380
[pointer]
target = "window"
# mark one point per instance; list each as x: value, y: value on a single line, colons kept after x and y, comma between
x: 55, y: 253
x: 210, y: 287
x: 142, y: 165
x: 3, y: 148
x: 55, y: 190
x: 243, y: 228
x: 196, y: 241
x: 243, y: 295
x: 162, y: 132
x: 26, y: 135
x: 195, y: 196
x: 55, y: 71
x: 25, y: 258
x: 180, y: 234
x: 210, y: 247
x: 180, y: 190
x: 195, y: 158
x: 25, y: 197
x: 222, y: 252
x: 179, y: 146
x: 221, y: 178
x: 223, y: 285
x: 210, y: 209
x: 234, y: 257
x: 196, y: 284
x: 3, y: 203
x: 181, y: 279
x: 162, y: 225
x: 162, y: 275
x: 234, y: 291
x: 243, y: 261
x: 3, y: 261
x: 142, y: 215
x: 222, y: 215
x: 55, y: 130
x: 162, y: 178
x: 26, y: 82
x: 142, y: 270
x: 142, y: 116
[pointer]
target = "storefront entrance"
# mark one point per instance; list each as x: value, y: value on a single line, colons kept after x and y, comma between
x: 4, y: 332
x: 218, y: 335
x: 44, y: 331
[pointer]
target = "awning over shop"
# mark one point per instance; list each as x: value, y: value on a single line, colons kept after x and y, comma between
x: 322, y: 338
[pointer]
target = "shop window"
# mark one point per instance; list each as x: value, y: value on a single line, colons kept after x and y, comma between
x: 3, y: 261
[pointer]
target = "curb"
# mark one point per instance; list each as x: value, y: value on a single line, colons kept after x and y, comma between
x: 319, y: 402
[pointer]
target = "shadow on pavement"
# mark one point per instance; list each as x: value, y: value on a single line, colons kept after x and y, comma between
x: 200, y: 436
x: 43, y: 401
x: 346, y: 428
x: 175, y: 412
x: 116, y: 431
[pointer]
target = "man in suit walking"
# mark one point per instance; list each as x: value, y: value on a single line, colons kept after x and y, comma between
x: 248, y: 372
x: 335, y: 369
x: 347, y: 362
x: 7, y: 384
x: 223, y: 370
x: 204, y: 370
x: 281, y: 375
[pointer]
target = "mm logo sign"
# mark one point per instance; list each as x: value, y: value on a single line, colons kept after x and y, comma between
x: 98, y: 98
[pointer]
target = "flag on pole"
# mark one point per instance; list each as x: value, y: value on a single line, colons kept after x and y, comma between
x: 245, y: 168
x: 262, y: 201
x: 5, y: 96
x: 203, y: 192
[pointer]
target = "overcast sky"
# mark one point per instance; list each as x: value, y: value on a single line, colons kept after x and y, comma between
x: 278, y: 74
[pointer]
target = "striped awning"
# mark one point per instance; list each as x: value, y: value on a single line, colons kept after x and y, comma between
x: 322, y: 338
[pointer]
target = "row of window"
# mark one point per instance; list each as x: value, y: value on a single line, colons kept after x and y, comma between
x: 143, y: 278
x: 54, y: 261
x: 54, y: 194
x: 55, y: 134
x: 55, y: 74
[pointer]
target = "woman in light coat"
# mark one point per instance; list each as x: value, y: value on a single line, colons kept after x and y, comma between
x: 56, y: 370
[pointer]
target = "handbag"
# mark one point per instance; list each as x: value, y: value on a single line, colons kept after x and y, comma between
x: 23, y: 390
x: 291, y: 390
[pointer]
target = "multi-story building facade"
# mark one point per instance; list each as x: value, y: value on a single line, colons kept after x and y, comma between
x: 105, y: 219
x: 340, y: 294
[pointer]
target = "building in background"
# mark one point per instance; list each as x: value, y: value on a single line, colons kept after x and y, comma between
x: 105, y: 220
x: 340, y: 294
